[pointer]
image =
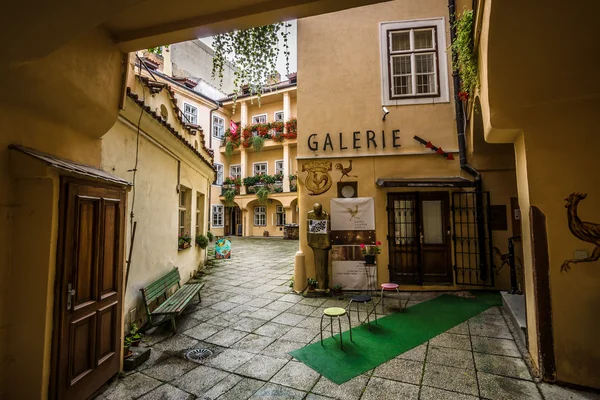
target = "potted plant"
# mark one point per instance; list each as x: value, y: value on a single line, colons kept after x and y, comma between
x: 202, y: 241
x: 337, y: 289
x: 210, y: 236
x: 184, y: 241
x: 312, y: 283
x: 135, y: 337
x: 369, y: 252
x: 126, y: 345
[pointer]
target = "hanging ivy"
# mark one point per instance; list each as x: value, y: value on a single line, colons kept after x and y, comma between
x: 464, y: 58
x: 158, y: 50
x: 254, y: 54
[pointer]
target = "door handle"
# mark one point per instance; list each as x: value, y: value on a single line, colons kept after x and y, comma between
x: 70, y: 293
x: 421, y: 237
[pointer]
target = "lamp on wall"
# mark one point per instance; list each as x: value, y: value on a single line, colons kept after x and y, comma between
x: 385, y: 112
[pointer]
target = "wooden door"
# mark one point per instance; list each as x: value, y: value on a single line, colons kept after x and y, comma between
x: 87, y: 337
x: 227, y: 223
x: 403, y: 238
x: 435, y: 237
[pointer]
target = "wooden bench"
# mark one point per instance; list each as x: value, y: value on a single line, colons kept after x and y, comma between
x: 173, y: 305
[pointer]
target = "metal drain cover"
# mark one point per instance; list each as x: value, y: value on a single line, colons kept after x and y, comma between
x: 198, y: 355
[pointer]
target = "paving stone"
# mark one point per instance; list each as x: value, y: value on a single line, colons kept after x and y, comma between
x: 271, y: 296
x: 350, y: 390
x: 170, y: 369
x: 265, y: 314
x: 448, y: 378
x: 199, y: 380
x: 288, y: 319
x: 495, y: 331
x: 302, y: 335
x: 271, y: 391
x: 555, y: 392
x: 384, y: 389
x: 248, y: 324
x: 296, y: 375
x: 224, y: 320
x: 243, y: 390
x: 500, y: 365
x: 460, y: 329
x: 183, y: 324
x: 460, y: 342
x: 314, y: 301
x: 259, y: 302
x: 501, y: 347
x: 313, y: 323
x: 496, y: 387
x: 312, y: 396
x: 221, y: 388
x: 226, y: 337
x: 224, y: 306
x: 292, y: 298
x: 202, y: 331
x: 261, y: 367
x: 253, y: 343
x: 301, y: 309
x: 416, y: 354
x: 273, y: 330
x: 241, y: 298
x: 229, y: 360
x: 156, y: 356
x: 176, y: 344
x: 429, y: 393
x: 450, y: 357
x: 131, y: 386
x: 167, y: 392
x: 280, y: 349
x: 243, y: 310
x: 401, y: 370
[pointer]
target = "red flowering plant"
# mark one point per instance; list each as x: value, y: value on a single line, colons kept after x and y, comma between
x: 277, y: 126
x: 278, y: 137
x: 234, y: 138
x: 463, y: 96
x: 291, y: 129
x: 370, y: 250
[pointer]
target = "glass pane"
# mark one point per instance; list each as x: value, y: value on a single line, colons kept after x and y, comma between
x: 424, y: 63
x: 424, y: 39
x: 402, y: 85
x: 432, y: 222
x: 401, y: 41
x: 401, y: 65
x: 404, y: 219
x: 426, y: 83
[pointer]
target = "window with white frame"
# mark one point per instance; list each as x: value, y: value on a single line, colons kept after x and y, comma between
x: 235, y: 171
x: 260, y: 216
x: 278, y: 116
x: 184, y: 219
x: 217, y: 216
x: 218, y: 127
x: 191, y: 114
x: 219, y: 169
x: 260, y: 168
x: 414, y: 62
x: 199, y: 213
x: 259, y: 119
x: 280, y: 216
x: 279, y: 167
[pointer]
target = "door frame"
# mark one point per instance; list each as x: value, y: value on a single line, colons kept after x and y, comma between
x: 58, y: 303
x: 445, y: 198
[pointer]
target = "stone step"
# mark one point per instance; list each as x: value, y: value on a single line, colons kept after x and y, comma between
x: 514, y: 305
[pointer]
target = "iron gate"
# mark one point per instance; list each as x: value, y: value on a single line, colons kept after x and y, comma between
x: 473, y: 257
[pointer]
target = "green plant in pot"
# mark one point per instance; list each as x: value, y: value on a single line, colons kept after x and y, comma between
x: 210, y: 236
x: 126, y: 345
x: 135, y: 335
x: 262, y: 194
x: 229, y: 196
x: 312, y: 283
x: 337, y: 289
x: 258, y: 142
x: 202, y: 241
x: 369, y: 252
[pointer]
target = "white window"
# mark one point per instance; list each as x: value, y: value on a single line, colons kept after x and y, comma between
x: 278, y: 167
x: 414, y: 62
x: 218, y: 127
x: 235, y: 171
x: 260, y: 216
x: 259, y: 119
x: 184, y: 220
x: 280, y: 216
x: 260, y: 168
x: 199, y: 213
x: 219, y: 169
x: 278, y: 116
x: 217, y: 216
x: 191, y: 114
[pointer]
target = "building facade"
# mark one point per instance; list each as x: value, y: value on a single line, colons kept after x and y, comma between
x: 245, y: 168
x: 392, y: 135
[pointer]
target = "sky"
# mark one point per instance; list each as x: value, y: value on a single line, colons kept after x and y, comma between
x: 293, y: 47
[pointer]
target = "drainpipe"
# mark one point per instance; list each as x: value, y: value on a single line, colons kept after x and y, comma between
x: 462, y: 151
x: 210, y: 127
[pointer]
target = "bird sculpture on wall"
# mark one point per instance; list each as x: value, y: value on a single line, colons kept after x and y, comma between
x: 586, y: 231
x: 345, y: 171
x: 353, y: 213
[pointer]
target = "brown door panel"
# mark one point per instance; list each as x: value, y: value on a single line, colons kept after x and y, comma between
x: 435, y: 237
x: 89, y: 288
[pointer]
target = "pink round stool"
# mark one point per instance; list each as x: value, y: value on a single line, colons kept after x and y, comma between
x: 390, y: 287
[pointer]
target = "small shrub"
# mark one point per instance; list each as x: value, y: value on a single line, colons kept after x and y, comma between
x: 210, y: 236
x: 202, y: 241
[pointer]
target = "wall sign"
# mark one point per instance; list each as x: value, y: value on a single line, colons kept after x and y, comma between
x: 368, y: 139
x: 318, y: 180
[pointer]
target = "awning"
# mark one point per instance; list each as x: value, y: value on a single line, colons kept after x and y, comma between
x: 442, y: 181
x: 70, y: 166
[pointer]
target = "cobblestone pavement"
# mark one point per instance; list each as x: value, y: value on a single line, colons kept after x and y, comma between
x: 250, y: 319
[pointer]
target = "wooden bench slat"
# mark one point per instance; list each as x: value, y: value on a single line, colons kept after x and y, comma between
x: 177, y: 302
x: 160, y: 286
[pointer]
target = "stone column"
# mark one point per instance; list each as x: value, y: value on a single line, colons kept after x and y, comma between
x: 243, y: 115
x: 287, y: 109
x: 243, y: 167
x: 286, y: 167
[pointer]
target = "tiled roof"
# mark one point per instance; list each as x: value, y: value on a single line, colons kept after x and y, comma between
x: 170, y: 128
